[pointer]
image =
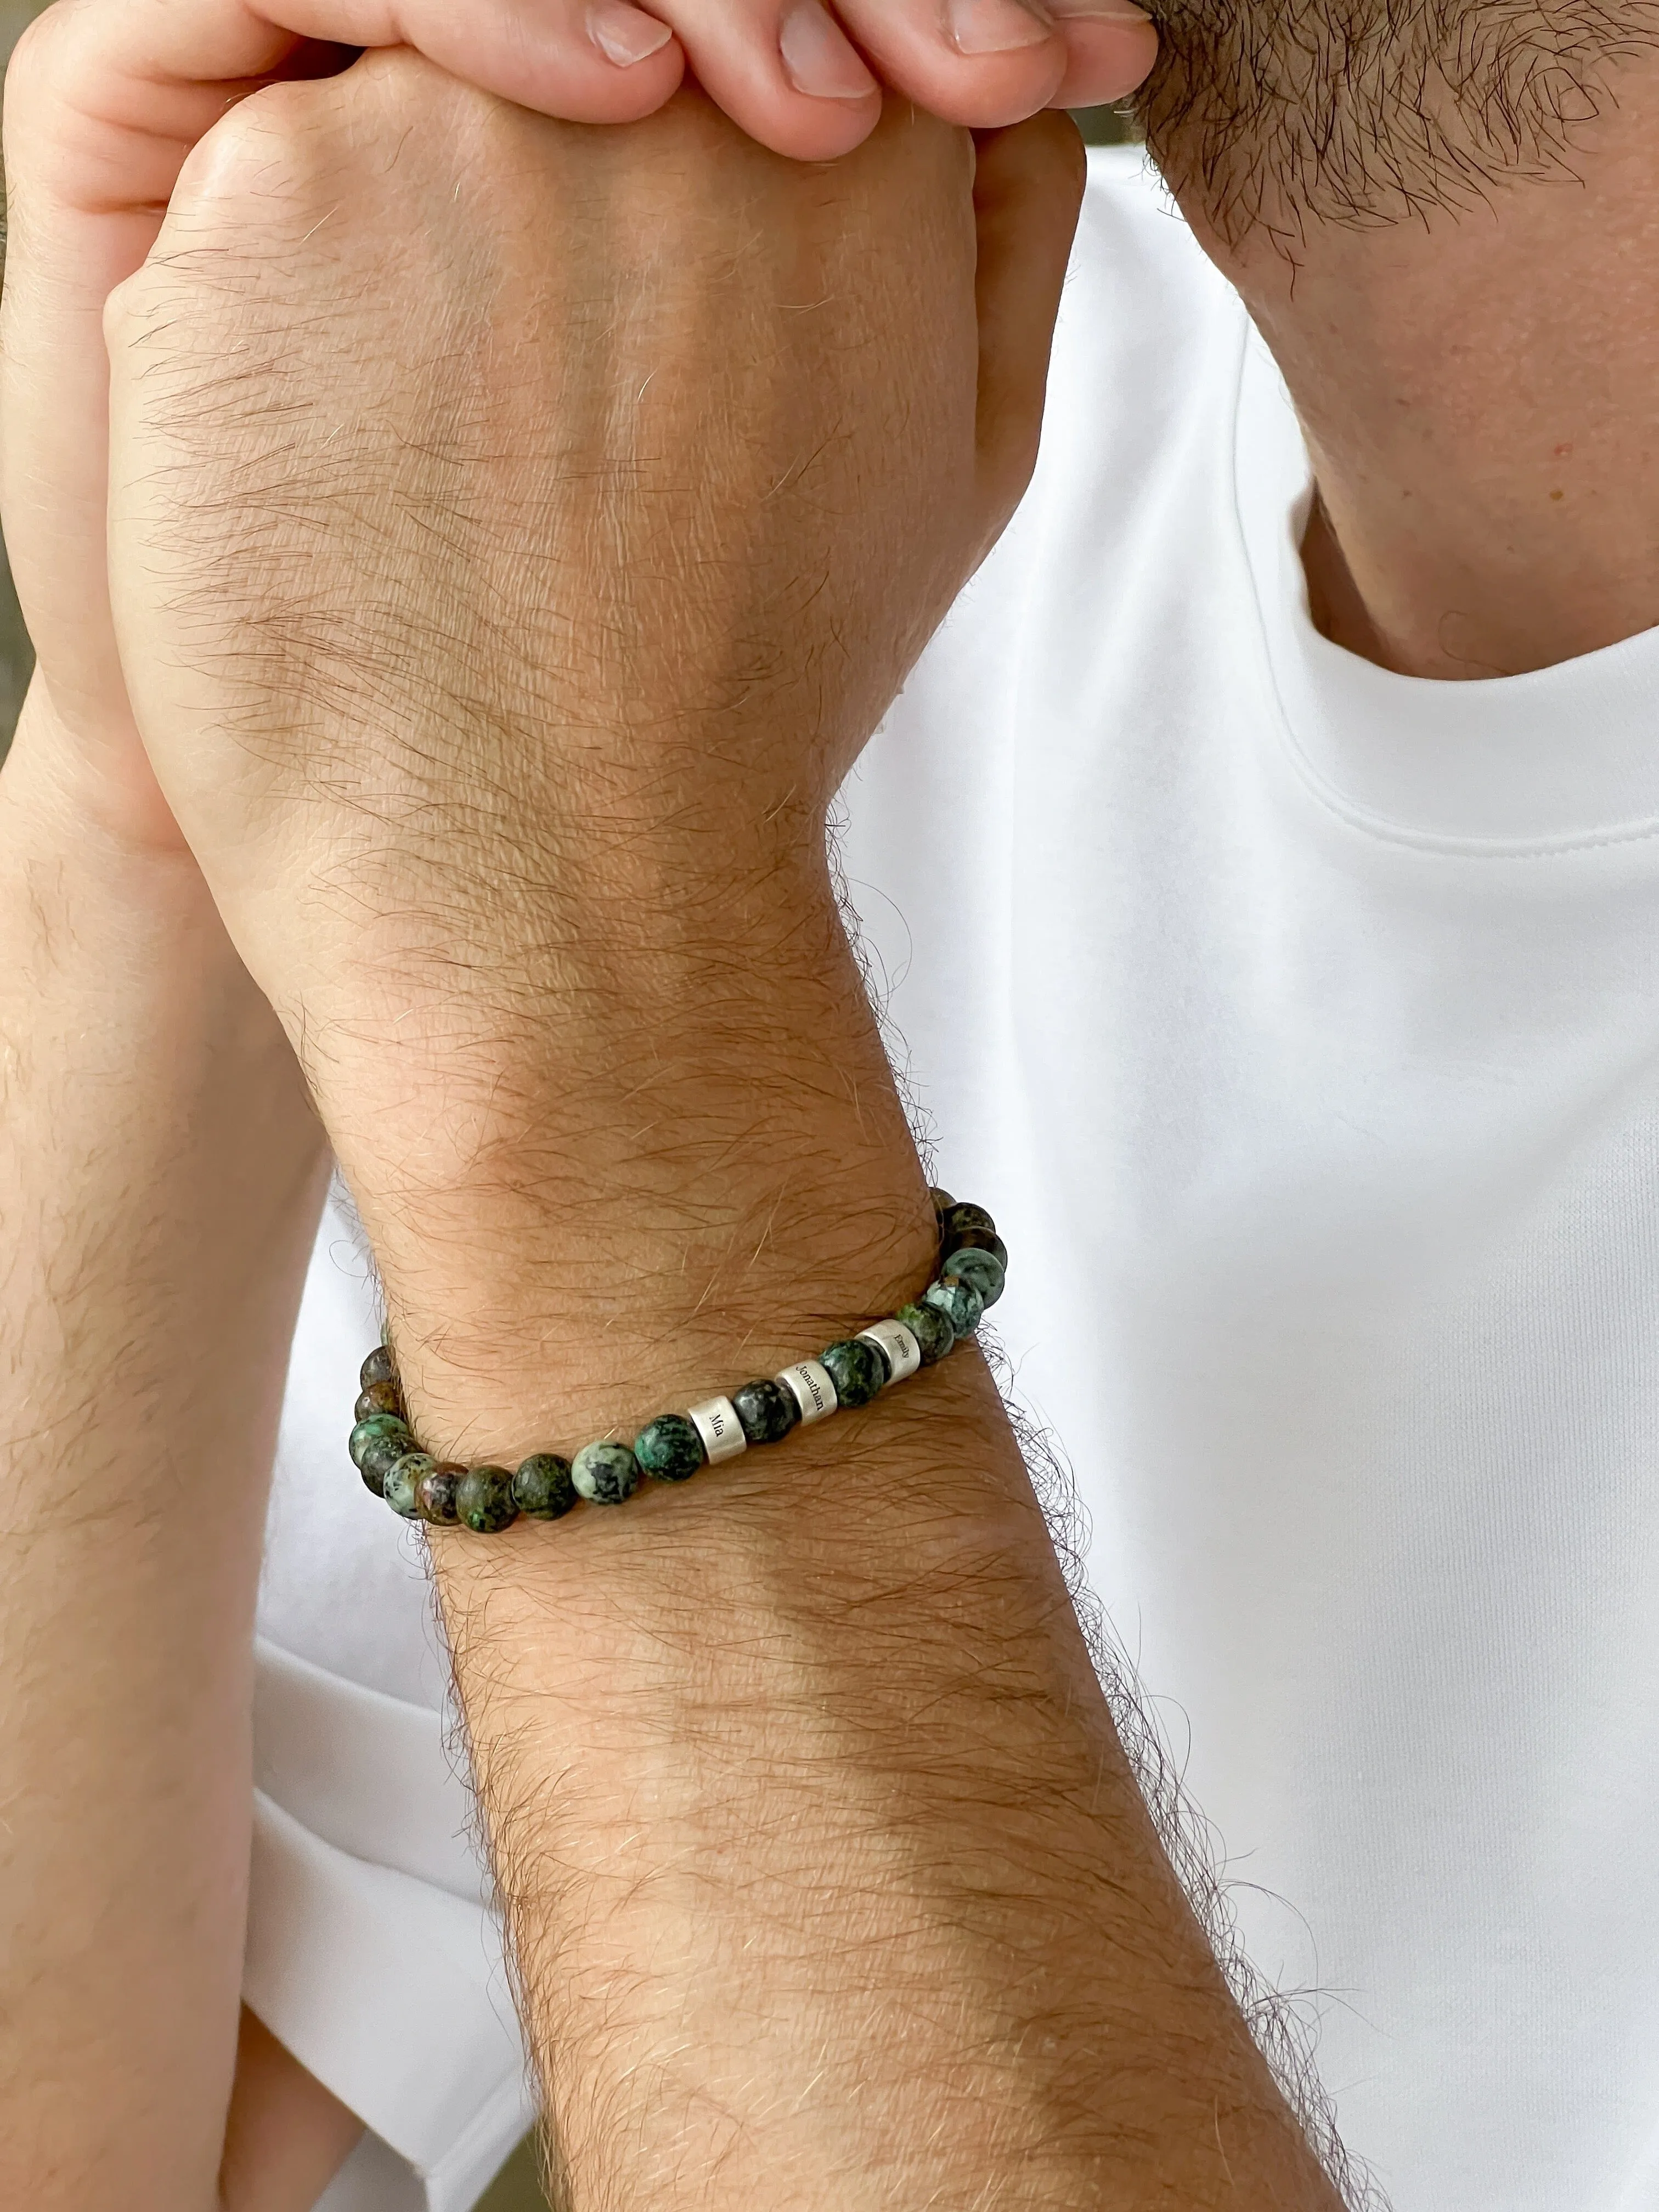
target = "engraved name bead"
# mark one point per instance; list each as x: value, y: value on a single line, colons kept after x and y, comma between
x: 897, y: 1346
x: 972, y: 1267
x: 808, y: 1383
x: 716, y: 1422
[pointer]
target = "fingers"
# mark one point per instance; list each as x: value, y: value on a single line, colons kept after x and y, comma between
x: 790, y: 74
x: 1027, y: 192
x: 978, y: 63
x: 1110, y: 47
x: 784, y: 70
x: 771, y: 63
x: 105, y: 100
x: 112, y: 88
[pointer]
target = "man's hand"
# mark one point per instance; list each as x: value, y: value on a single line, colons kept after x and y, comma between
x: 105, y: 99
x: 516, y: 532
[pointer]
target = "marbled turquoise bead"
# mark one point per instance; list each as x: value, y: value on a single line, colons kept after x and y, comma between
x: 959, y: 1301
x: 670, y: 1447
x: 484, y: 1501
x: 982, y: 1269
x: 766, y: 1411
x: 975, y: 1240
x: 379, y: 1459
x: 606, y: 1474
x: 377, y: 1368
x: 435, y: 1493
x: 542, y: 1488
x: 932, y: 1328
x: 964, y: 1216
x: 379, y: 1398
x: 371, y: 1430
x: 402, y: 1480
x: 858, y: 1370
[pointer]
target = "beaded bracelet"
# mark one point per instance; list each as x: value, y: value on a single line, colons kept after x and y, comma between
x: 973, y: 1267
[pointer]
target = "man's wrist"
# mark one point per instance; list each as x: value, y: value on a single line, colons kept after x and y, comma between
x: 649, y: 1190
x: 811, y: 1746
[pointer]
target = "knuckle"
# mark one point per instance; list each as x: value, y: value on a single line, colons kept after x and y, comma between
x: 35, y: 65
x: 132, y: 310
x: 394, y: 96
x: 45, y: 69
x: 261, y: 147
x: 123, y: 311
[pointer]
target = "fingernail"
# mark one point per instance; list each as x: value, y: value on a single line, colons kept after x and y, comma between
x: 995, y: 27
x: 817, y: 60
x: 1097, y: 11
x: 625, y: 34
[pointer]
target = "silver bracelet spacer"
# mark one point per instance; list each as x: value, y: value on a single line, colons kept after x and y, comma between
x: 896, y: 1346
x: 808, y: 1384
x: 716, y: 1422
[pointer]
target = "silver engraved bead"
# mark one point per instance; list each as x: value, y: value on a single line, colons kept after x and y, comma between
x: 716, y: 1422
x: 808, y: 1383
x: 899, y: 1346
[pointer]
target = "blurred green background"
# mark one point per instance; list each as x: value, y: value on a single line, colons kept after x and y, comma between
x: 519, y: 2188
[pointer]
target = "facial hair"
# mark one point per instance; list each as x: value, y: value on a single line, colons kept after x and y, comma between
x: 1276, y: 114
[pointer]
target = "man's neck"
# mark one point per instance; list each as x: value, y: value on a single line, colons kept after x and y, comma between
x: 1481, y: 394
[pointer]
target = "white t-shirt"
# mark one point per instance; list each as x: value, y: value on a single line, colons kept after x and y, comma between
x: 1300, y: 1024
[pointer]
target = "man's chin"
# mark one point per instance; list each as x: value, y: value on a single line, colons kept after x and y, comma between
x: 1273, y: 115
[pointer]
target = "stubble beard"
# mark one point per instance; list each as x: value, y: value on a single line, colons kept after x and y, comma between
x: 1271, y: 114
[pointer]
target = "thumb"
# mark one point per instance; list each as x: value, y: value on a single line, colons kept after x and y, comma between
x: 1028, y: 192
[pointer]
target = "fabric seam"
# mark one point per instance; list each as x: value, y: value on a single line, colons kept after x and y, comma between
x: 1359, y: 819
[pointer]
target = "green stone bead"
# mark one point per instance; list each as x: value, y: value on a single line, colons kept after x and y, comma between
x: 942, y: 1200
x: 959, y: 1302
x: 380, y: 1398
x: 377, y: 1368
x: 402, y: 1480
x: 982, y: 1269
x: 484, y: 1501
x: 931, y: 1329
x: 543, y: 1489
x: 377, y: 1460
x: 435, y: 1493
x: 606, y: 1474
x: 766, y: 1411
x: 963, y: 1216
x: 376, y: 1426
x: 670, y: 1449
x: 857, y: 1369
x: 974, y: 1240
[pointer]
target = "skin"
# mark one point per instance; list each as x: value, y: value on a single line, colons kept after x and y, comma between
x: 121, y: 990
x: 1465, y: 318
x: 1480, y: 449
x: 132, y: 1495
x: 1484, y: 442
x: 777, y: 1943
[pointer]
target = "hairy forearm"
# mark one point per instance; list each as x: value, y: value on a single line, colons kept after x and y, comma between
x: 159, y: 1173
x: 829, y: 1882
x: 558, y: 596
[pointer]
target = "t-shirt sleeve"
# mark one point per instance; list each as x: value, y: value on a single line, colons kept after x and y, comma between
x: 375, y: 1949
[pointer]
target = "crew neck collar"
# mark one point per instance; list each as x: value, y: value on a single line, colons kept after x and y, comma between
x: 1564, y: 758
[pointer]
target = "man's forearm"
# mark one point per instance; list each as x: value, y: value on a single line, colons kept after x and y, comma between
x: 159, y: 1177
x: 503, y: 725
x: 829, y: 1881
